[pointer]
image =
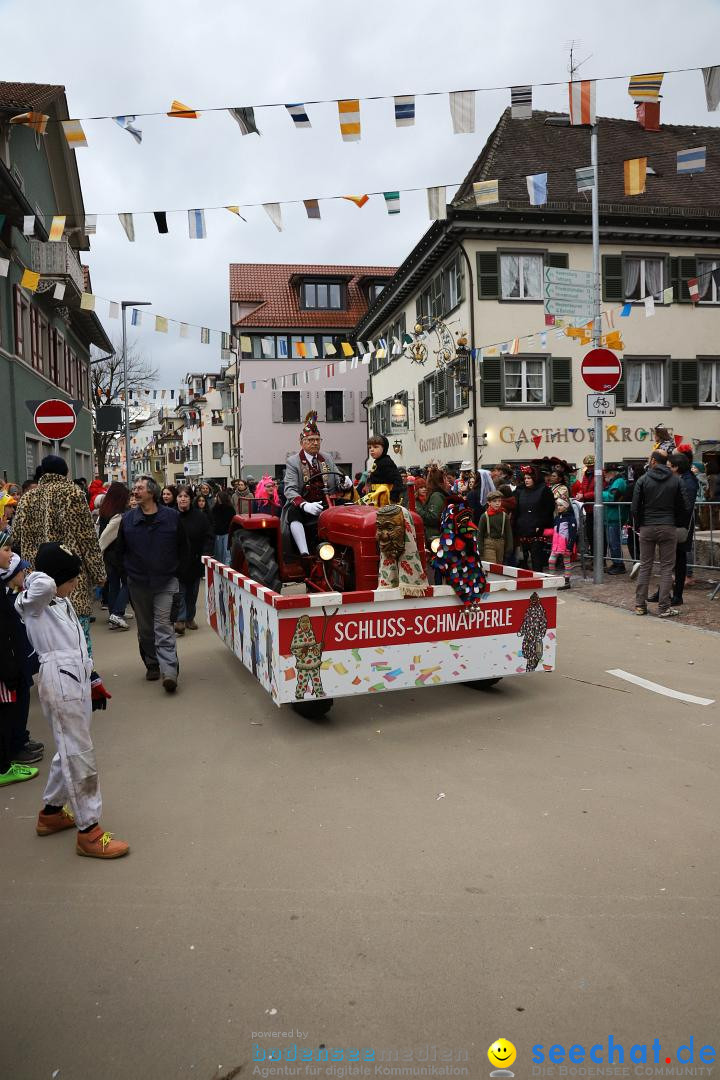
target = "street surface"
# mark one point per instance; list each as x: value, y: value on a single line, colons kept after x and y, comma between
x: 290, y: 875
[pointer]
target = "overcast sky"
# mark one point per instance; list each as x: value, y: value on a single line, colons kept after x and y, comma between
x: 135, y: 56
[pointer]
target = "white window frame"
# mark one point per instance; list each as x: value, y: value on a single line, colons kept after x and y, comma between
x: 658, y: 296
x: 643, y: 404
x: 714, y: 297
x: 714, y: 385
x: 520, y: 255
x: 524, y: 399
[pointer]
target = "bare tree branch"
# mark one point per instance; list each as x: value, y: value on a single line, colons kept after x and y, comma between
x: 106, y: 385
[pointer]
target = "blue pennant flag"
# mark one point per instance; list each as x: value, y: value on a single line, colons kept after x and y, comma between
x: 126, y: 123
x: 691, y: 161
x: 625, y: 310
x: 537, y: 188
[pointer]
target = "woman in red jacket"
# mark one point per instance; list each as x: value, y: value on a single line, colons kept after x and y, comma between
x: 584, y: 491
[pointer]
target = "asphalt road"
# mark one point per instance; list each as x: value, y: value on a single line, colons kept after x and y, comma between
x: 295, y: 876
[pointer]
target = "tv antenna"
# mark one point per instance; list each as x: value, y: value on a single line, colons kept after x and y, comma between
x: 573, y: 64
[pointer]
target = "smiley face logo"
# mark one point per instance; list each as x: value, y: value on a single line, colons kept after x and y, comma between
x: 502, y: 1054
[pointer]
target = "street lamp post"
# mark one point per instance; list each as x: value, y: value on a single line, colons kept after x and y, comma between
x: 126, y: 304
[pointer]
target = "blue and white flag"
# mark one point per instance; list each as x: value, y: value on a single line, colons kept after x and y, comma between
x: 282, y: 346
x: 136, y: 319
x: 537, y: 188
x: 299, y: 115
x: 405, y: 110
x: 126, y: 123
x: 196, y: 224
x: 691, y: 161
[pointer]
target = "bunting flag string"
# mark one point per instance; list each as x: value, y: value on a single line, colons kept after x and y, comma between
x: 635, y: 172
x: 35, y: 120
x: 521, y: 102
x: 181, y: 112
x: 126, y: 220
x: 404, y: 110
x: 245, y: 119
x: 392, y: 201
x: 486, y: 192
x: 299, y: 116
x: 359, y: 200
x: 127, y: 124
x: 274, y: 212
x: 74, y: 133
x: 57, y: 228
x: 691, y: 161
x: 582, y: 102
x: 711, y: 79
x: 196, y: 224
x: 349, y: 114
x: 161, y: 221
x: 312, y: 208
x: 537, y: 189
x: 462, y: 111
x: 645, y: 87
x: 437, y: 203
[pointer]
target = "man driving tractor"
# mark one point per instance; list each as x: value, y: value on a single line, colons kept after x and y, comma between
x: 309, y: 478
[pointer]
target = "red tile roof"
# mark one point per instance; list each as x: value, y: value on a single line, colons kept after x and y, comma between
x: 16, y: 97
x: 268, y: 284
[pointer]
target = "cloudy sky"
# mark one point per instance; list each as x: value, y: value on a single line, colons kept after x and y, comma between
x: 135, y: 57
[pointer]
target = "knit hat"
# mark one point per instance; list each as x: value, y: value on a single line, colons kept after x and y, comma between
x: 310, y: 426
x: 589, y: 459
x: 53, y: 463
x: 16, y: 565
x: 57, y: 562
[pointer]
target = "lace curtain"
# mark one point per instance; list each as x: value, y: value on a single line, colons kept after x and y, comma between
x: 644, y: 383
x: 510, y: 276
x: 653, y: 278
x: 705, y: 370
x: 632, y: 279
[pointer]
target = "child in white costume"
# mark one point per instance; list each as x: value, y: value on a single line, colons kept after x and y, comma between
x: 69, y: 690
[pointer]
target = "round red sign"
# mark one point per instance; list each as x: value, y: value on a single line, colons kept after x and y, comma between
x: 55, y: 419
x: 601, y: 370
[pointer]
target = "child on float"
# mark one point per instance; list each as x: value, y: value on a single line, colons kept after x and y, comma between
x: 495, y: 536
x: 69, y: 691
x: 384, y: 483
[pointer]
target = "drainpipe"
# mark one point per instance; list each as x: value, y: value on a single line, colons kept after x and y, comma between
x: 473, y: 369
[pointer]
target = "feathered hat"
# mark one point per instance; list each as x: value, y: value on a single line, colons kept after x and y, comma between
x: 310, y: 426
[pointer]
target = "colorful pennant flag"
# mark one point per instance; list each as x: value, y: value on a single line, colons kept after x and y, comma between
x: 693, y: 289
x: 245, y: 344
x: 196, y: 224
x: 437, y: 203
x: 312, y: 349
x: 136, y: 317
x: 691, y: 161
x: 404, y: 110
x: 273, y: 211
x: 126, y: 220
x: 267, y: 346
x: 184, y: 330
x: 182, y: 112
x: 515, y: 346
x: 74, y: 133
x: 59, y: 291
x: 625, y: 311
x: 537, y: 188
x: 582, y: 102
x: 330, y: 349
x: 29, y: 280
x: 204, y: 335
x: 645, y: 87
x: 392, y: 201
x: 649, y: 306
x: 521, y: 102
x: 57, y: 228
x: 359, y: 200
x: 282, y: 347
x: 35, y: 120
x: 349, y: 113
x: 462, y: 111
x: 312, y: 209
x: 29, y: 225
x: 245, y: 118
x: 90, y: 224
x: 635, y: 171
x: 114, y: 311
x: 236, y: 210
x: 161, y: 220
x: 299, y: 116
x: 347, y: 349
x: 711, y: 78
x: 486, y: 192
x: 87, y: 301
x: 585, y: 178
x: 126, y: 123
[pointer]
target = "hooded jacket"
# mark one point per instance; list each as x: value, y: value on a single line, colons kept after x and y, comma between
x: 659, y: 499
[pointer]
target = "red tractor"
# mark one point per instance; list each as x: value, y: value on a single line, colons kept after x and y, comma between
x: 346, y: 558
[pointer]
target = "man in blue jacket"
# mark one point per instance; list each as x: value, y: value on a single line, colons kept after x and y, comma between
x: 152, y: 545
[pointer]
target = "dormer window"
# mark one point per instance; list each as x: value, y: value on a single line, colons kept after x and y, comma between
x: 323, y: 295
x: 374, y: 290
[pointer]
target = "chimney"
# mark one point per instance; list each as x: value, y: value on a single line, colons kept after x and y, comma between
x: 648, y: 115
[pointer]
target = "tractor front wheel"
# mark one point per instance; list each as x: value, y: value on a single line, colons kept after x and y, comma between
x: 259, y: 556
x: 483, y: 684
x: 315, y: 709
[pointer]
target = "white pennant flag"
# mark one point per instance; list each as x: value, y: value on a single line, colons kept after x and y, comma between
x: 28, y: 225
x: 114, y: 310
x: 462, y: 111
x: 59, y: 291
x: 711, y: 78
x: 90, y: 224
x: 437, y: 203
x: 4, y: 267
x: 126, y: 220
x: 274, y: 212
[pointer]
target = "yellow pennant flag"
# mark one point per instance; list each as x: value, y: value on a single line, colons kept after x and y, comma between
x: 359, y: 200
x: 300, y: 349
x: 349, y: 114
x: 182, y: 111
x: 73, y: 133
x: 161, y: 324
x: 245, y: 344
x: 635, y: 171
x: 57, y: 228
x: 347, y: 348
x: 87, y: 301
x: 36, y: 120
x: 30, y: 280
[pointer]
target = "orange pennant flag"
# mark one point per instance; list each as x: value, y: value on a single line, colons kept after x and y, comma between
x: 300, y: 348
x: 182, y: 111
x: 635, y: 171
x: 359, y: 200
x: 30, y: 280
x: 36, y: 120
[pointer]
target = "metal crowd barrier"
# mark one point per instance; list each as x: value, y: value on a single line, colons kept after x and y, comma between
x: 706, y: 518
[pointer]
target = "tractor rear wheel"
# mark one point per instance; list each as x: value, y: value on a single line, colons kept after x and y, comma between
x: 260, y: 557
x: 315, y: 709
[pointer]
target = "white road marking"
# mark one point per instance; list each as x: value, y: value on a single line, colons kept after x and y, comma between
x: 658, y: 689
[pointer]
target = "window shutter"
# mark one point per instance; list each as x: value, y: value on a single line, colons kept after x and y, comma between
x: 558, y: 259
x: 684, y: 382
x: 488, y: 275
x: 681, y: 269
x: 561, y: 379
x: 441, y: 391
x: 421, y: 402
x: 612, y: 277
x: 491, y: 388
x: 319, y: 404
x: 348, y: 405
x: 306, y: 403
x: 277, y: 406
x: 619, y: 391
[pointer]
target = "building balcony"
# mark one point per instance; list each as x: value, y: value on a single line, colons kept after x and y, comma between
x: 57, y: 259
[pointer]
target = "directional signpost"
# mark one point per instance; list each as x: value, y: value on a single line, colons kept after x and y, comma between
x: 568, y: 292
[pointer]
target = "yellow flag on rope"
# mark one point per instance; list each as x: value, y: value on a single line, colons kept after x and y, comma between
x: 181, y: 111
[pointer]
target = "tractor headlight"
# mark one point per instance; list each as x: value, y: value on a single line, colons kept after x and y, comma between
x: 326, y: 551
x: 435, y: 545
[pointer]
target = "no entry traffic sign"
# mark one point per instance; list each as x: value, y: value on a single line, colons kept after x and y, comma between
x: 601, y: 370
x: 55, y: 419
